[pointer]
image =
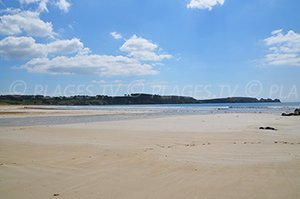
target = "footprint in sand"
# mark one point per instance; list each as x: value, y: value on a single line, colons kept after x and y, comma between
x: 161, y: 146
x: 148, y: 149
x: 57, y: 196
x: 190, y: 144
x: 283, y: 142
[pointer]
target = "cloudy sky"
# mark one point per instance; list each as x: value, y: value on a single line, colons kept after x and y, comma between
x: 200, y: 48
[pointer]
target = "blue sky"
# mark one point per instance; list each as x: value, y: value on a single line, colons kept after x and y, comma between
x: 204, y: 49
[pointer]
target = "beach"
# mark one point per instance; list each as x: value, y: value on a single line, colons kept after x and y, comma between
x: 221, y: 155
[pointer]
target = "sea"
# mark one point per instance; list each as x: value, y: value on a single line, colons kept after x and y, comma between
x: 198, y: 108
x: 148, y: 111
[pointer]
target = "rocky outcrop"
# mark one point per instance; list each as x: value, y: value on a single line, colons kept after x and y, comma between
x: 296, y: 113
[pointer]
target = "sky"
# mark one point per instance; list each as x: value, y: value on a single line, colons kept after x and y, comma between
x: 199, y: 48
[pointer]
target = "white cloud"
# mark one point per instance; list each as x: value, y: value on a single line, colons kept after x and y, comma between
x: 63, y: 5
x: 204, y: 4
x: 69, y: 56
x: 275, y: 32
x: 28, y: 1
x: 283, y: 49
x: 21, y: 47
x: 143, y: 49
x: 101, y: 65
x: 17, y: 22
x: 116, y: 35
x: 42, y: 4
x: 283, y: 59
x: 70, y: 46
x: 26, y: 48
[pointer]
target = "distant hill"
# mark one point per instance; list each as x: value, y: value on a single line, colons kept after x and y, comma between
x: 136, y: 98
x: 238, y: 100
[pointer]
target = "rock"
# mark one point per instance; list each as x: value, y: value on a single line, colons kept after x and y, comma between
x: 287, y: 114
x: 296, y: 113
x: 270, y: 128
x: 267, y: 128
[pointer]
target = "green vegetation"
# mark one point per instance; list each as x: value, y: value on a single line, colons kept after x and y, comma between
x: 137, y: 98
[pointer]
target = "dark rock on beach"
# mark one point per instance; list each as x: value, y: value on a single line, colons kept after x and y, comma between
x: 296, y: 113
x: 267, y: 128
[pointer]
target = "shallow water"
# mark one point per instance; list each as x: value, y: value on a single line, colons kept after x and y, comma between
x: 148, y: 111
x: 199, y: 108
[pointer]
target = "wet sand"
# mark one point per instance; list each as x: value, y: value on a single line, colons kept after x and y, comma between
x: 19, y: 111
x: 197, y: 156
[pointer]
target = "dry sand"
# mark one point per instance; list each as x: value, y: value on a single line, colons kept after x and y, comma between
x: 204, y: 156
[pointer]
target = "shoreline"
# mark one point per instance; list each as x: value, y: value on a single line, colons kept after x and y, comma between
x: 49, y: 115
x: 41, y: 117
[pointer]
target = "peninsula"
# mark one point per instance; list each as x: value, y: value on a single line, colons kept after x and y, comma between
x: 132, y: 99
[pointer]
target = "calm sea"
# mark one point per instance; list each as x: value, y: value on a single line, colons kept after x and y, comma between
x: 205, y: 108
x: 146, y: 111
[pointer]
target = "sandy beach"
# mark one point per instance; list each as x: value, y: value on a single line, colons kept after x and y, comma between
x: 187, y: 156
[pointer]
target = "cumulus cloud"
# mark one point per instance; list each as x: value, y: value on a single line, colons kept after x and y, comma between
x: 63, y: 5
x: 101, y: 65
x: 143, y: 49
x: 17, y: 22
x: 21, y: 29
x: 27, y: 48
x: 116, y: 35
x: 21, y: 47
x: 70, y: 46
x: 204, y: 4
x: 71, y: 57
x: 283, y: 49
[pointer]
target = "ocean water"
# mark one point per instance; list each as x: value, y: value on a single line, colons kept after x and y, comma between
x: 148, y: 111
x: 197, y: 108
